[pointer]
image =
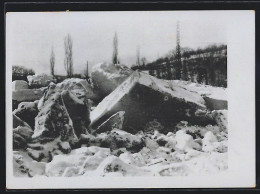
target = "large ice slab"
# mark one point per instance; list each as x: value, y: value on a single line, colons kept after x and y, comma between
x: 145, y: 98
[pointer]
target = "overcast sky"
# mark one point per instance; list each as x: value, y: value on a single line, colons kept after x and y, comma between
x: 30, y: 36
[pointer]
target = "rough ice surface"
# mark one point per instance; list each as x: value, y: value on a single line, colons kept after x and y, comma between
x: 181, y: 158
x: 79, y: 87
x: 25, y: 166
x: 215, y: 97
x: 108, y: 149
x: 207, y: 90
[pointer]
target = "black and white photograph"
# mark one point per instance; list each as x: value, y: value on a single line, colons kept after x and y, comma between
x: 128, y: 95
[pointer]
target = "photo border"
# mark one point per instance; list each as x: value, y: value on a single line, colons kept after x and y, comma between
x: 153, y: 6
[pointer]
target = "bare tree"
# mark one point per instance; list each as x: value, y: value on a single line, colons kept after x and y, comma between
x: 143, y: 61
x: 52, y: 61
x: 115, y: 50
x: 138, y: 62
x: 68, y: 60
x: 178, y: 65
x: 86, y: 73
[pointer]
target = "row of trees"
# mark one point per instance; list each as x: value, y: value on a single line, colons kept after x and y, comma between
x: 68, y: 59
x: 21, y: 73
x: 140, y: 61
x: 207, y: 66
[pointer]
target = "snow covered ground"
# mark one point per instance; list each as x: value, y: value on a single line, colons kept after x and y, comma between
x: 163, y: 155
x: 180, y: 149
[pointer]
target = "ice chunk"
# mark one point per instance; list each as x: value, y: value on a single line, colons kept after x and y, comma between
x: 145, y: 98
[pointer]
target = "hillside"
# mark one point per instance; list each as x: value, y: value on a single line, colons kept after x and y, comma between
x: 207, y: 66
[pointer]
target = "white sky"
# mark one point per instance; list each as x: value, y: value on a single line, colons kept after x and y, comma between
x: 30, y: 36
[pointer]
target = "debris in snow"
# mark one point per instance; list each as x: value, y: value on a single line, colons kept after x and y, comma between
x: 113, y: 166
x: 130, y: 159
x: 44, y: 150
x: 182, y: 158
x: 114, y: 140
x: 94, y: 161
x: 76, y: 162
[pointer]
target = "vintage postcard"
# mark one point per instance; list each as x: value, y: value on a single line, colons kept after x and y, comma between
x: 130, y: 99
